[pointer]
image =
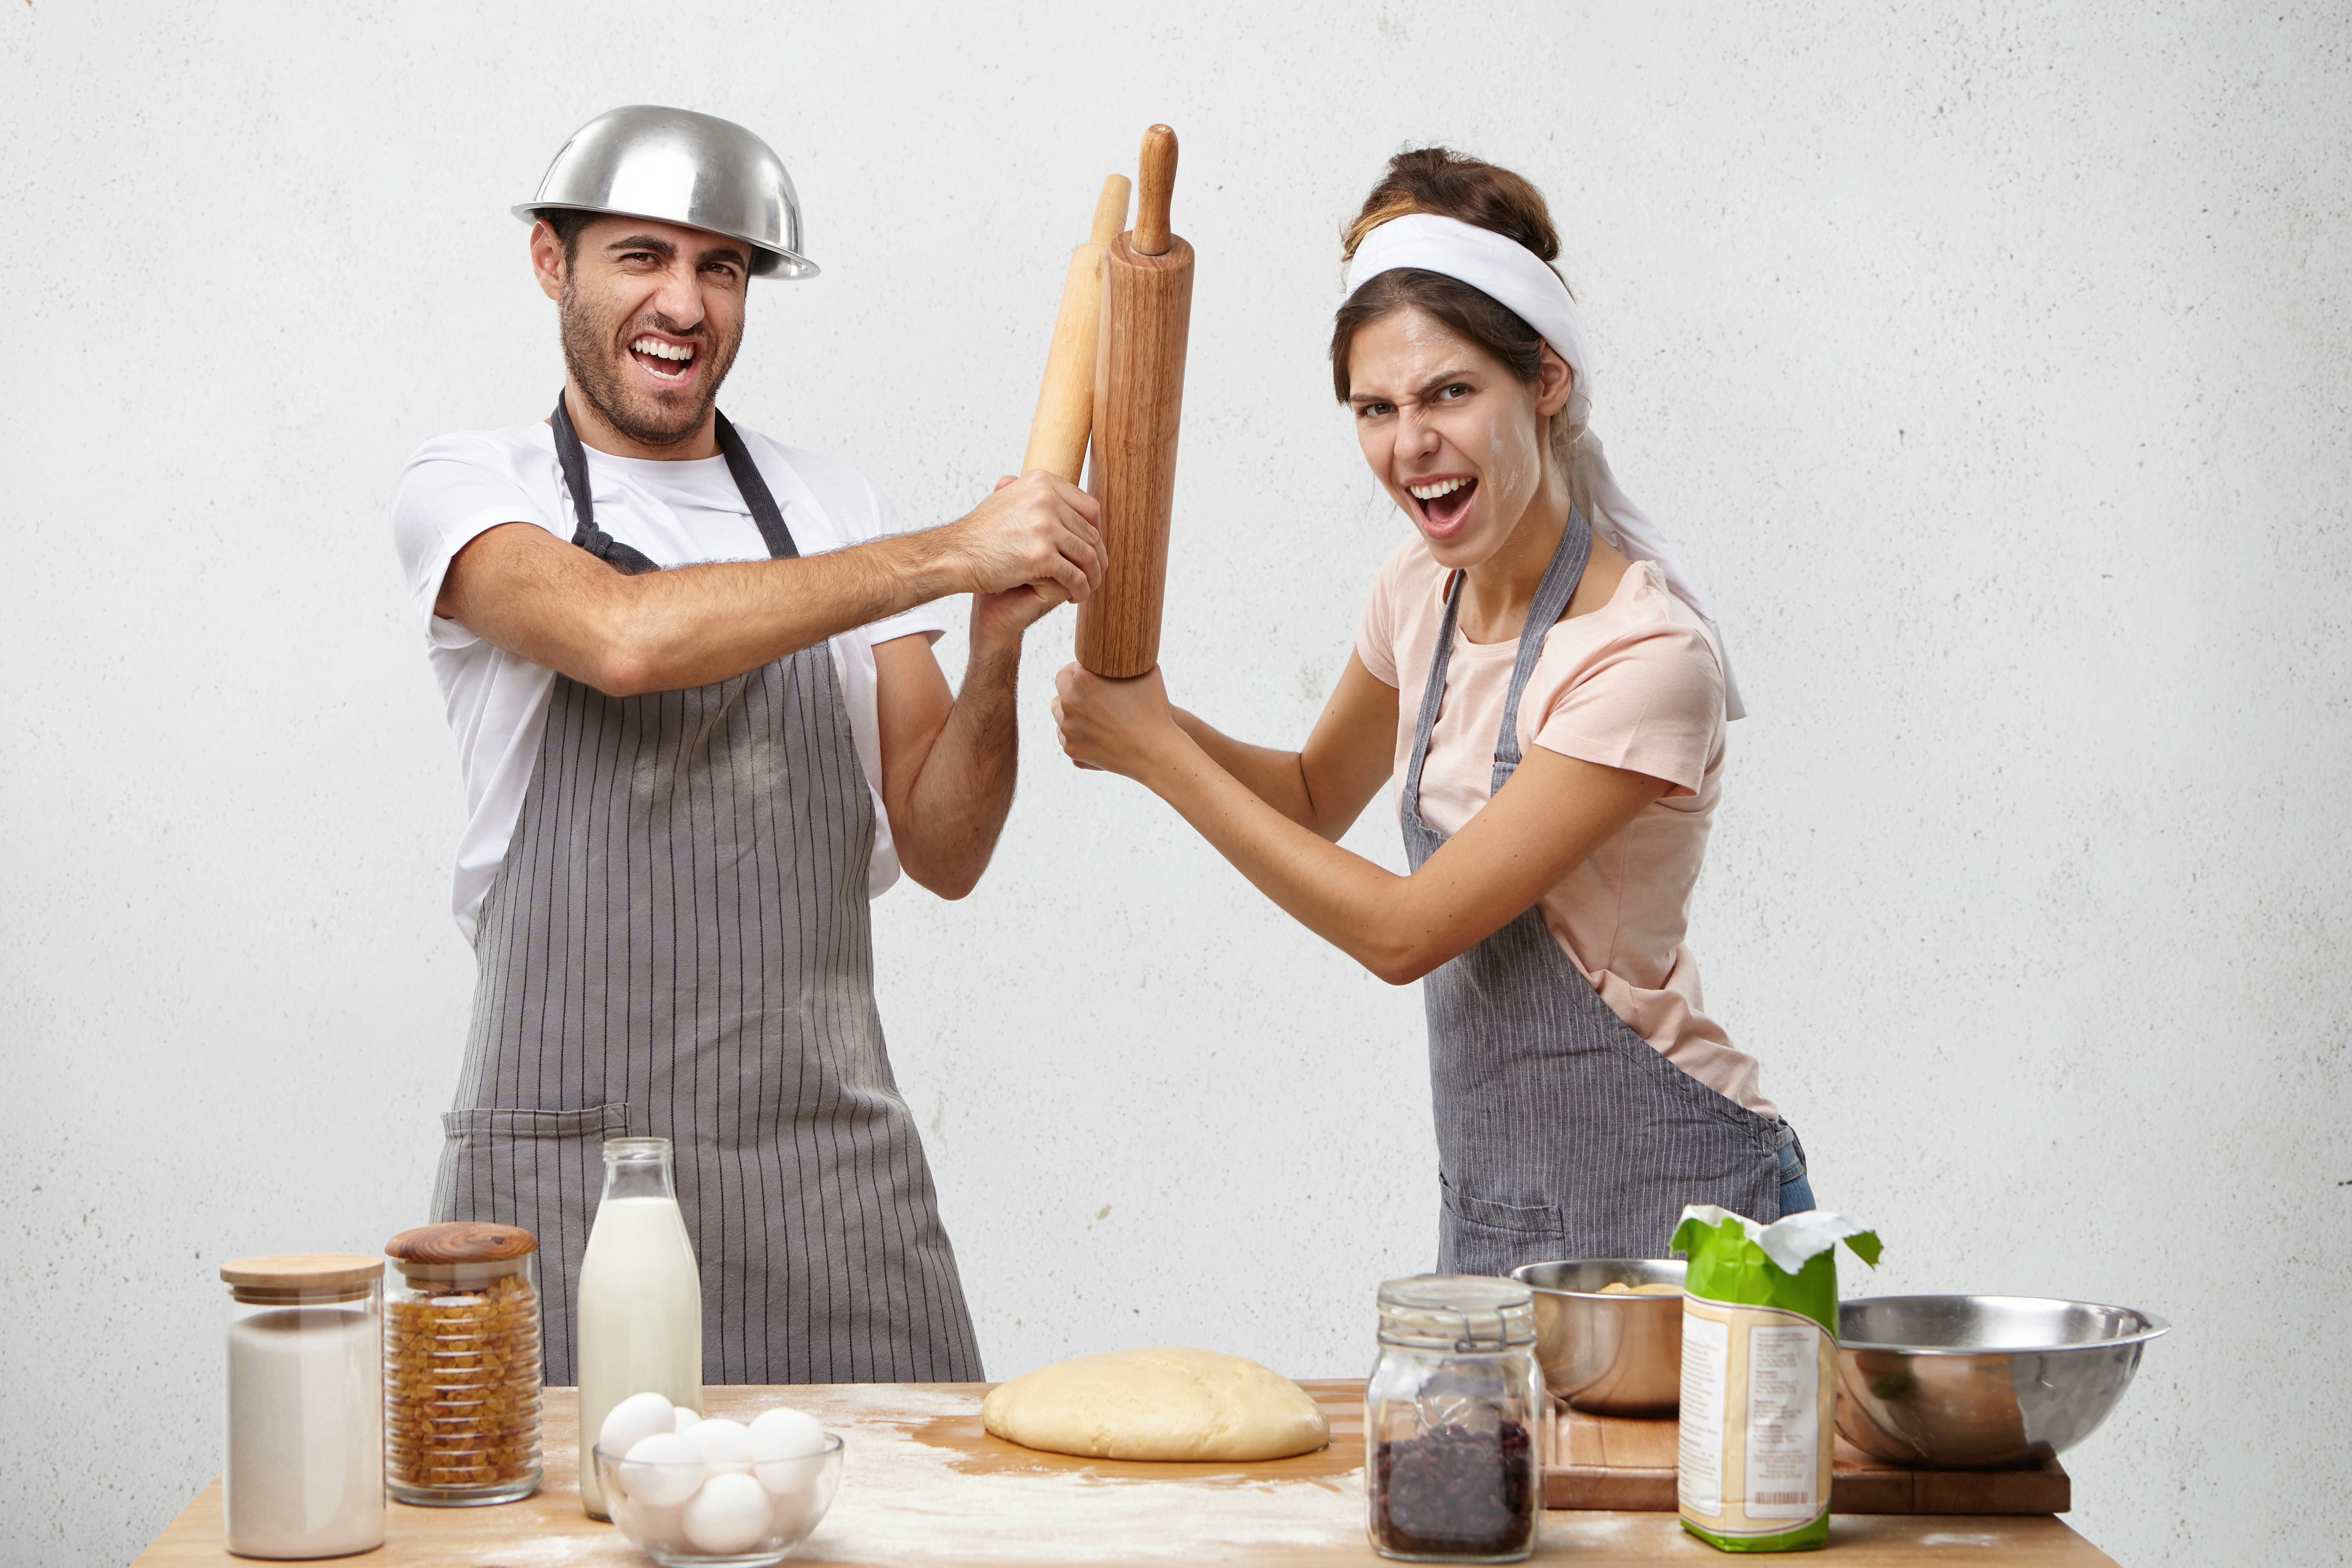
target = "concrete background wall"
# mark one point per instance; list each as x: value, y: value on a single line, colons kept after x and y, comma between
x: 1989, y: 361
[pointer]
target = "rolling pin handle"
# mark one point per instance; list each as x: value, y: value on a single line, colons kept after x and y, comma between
x: 1110, y: 209
x: 1157, y: 171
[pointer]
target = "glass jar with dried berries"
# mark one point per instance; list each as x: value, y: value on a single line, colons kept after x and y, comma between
x: 1453, y: 1421
x: 462, y: 1365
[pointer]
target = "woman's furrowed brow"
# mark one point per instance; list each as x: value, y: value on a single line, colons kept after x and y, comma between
x: 1443, y: 378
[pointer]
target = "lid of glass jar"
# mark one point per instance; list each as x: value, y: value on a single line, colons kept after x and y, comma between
x: 1457, y: 1311
x: 303, y: 1273
x: 461, y: 1241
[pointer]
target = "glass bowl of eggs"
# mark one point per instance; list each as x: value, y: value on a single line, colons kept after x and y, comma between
x: 691, y: 1493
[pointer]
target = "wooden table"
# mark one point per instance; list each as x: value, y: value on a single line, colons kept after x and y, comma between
x: 923, y: 1484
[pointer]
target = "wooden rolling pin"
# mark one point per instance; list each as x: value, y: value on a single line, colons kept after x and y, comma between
x: 1147, y: 313
x: 1066, y: 398
x: 1066, y: 401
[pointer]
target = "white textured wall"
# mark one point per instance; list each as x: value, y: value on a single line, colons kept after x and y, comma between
x: 1989, y: 361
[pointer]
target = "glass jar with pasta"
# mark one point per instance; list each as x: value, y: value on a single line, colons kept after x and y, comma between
x: 461, y: 1350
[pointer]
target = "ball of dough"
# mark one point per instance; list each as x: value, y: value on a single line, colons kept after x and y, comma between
x: 1169, y: 1403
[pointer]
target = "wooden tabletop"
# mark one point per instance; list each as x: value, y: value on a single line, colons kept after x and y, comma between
x: 923, y: 1484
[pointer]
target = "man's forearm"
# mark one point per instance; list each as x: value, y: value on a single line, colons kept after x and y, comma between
x: 695, y: 625
x: 958, y: 802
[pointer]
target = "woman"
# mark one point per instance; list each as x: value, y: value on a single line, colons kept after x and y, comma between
x: 1553, y: 696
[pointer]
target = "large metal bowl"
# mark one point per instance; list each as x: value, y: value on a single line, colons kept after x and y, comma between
x: 1612, y: 1355
x: 1982, y: 1382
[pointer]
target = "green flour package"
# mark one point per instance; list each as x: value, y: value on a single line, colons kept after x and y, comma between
x: 1759, y: 1375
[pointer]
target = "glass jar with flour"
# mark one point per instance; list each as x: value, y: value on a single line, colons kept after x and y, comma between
x: 1453, y: 1421
x: 304, y: 1476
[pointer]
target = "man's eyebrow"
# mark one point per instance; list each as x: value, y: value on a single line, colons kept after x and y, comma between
x: 652, y: 242
x: 1443, y: 378
x: 734, y: 253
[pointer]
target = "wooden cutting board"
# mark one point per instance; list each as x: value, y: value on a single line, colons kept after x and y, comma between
x: 1611, y: 1463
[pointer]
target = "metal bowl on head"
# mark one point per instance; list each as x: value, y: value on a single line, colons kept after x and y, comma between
x: 1982, y: 1382
x: 1610, y: 1353
x: 647, y: 161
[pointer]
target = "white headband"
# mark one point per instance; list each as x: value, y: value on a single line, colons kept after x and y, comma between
x: 1514, y: 276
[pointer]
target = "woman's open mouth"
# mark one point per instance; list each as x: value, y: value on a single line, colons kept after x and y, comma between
x: 664, y: 359
x: 1443, y: 503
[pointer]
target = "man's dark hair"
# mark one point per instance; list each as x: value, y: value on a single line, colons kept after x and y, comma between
x: 568, y: 223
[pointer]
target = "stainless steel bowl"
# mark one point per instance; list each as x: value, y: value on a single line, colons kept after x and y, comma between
x: 645, y: 161
x: 1612, y: 1355
x: 1980, y: 1383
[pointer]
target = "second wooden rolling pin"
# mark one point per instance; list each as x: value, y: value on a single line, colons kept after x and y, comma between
x: 1146, y: 315
x: 1066, y: 401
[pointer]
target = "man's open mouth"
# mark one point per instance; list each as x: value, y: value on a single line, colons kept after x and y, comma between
x: 665, y: 360
x: 1443, y: 501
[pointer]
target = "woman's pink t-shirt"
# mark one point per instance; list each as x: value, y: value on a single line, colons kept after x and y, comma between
x: 1635, y: 685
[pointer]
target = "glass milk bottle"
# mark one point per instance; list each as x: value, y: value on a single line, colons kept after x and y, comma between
x: 304, y: 1476
x: 640, y: 1299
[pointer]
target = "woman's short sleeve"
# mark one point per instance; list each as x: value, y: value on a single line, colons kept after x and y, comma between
x: 1651, y: 704
x: 1376, y: 630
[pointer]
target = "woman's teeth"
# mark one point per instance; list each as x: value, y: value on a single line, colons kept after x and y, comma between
x: 1432, y: 492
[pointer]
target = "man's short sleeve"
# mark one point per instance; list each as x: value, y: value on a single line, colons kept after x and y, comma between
x: 880, y: 519
x: 450, y: 493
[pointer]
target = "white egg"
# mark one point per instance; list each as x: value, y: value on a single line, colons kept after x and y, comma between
x: 645, y: 1525
x: 795, y: 1512
x: 638, y: 1416
x: 730, y: 1514
x: 662, y: 1470
x: 687, y: 1419
x: 784, y: 1433
x: 784, y: 1442
x: 725, y: 1446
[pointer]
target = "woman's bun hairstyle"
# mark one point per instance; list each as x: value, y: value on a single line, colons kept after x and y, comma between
x: 1445, y: 183
x: 1440, y: 181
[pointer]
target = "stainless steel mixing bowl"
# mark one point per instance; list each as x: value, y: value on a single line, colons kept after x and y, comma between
x: 1612, y: 1355
x: 1980, y: 1383
x: 645, y: 161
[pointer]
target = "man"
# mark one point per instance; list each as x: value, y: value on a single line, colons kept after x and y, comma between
x: 691, y: 674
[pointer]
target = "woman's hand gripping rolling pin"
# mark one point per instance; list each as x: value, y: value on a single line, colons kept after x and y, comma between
x: 1124, y: 727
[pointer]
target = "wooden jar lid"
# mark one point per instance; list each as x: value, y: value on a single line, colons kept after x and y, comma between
x: 462, y: 1241
x: 303, y: 1273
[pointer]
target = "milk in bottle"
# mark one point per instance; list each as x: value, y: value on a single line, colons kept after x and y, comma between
x: 640, y: 1299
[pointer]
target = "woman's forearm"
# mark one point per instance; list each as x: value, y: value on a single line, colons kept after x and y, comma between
x: 1274, y: 777
x: 1367, y: 911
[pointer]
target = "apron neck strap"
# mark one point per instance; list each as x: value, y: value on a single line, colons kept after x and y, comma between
x: 572, y: 457
x: 1552, y: 593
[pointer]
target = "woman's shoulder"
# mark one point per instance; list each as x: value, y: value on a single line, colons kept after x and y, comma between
x: 1409, y: 575
x: 1644, y: 627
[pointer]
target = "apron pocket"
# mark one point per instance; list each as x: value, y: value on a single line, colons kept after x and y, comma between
x: 1481, y: 1235
x: 541, y: 1170
x: 515, y: 1166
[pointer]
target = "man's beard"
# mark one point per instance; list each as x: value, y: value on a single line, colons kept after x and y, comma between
x: 637, y: 412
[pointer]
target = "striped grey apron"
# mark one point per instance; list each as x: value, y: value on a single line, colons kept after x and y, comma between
x: 679, y: 944
x: 1561, y: 1131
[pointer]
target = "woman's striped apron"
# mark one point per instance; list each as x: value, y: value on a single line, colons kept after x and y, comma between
x: 1560, y: 1132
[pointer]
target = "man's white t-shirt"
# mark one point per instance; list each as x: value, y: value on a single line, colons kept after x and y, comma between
x: 678, y: 513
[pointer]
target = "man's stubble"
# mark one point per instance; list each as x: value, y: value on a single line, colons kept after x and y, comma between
x: 589, y: 346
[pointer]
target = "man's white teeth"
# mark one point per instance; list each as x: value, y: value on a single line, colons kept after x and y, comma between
x: 661, y: 350
x: 1442, y: 488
